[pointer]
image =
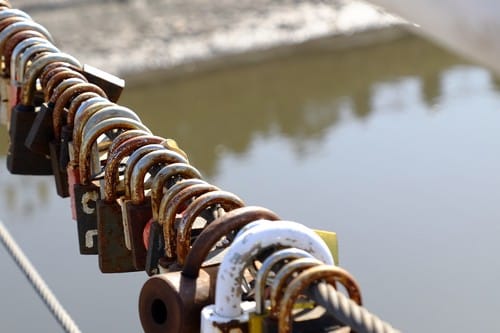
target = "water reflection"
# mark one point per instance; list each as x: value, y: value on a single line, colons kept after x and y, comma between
x: 298, y: 97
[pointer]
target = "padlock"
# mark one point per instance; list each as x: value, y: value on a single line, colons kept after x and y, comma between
x: 223, y: 199
x: 23, y: 116
x: 11, y: 29
x: 182, y: 295
x: 173, y: 203
x: 55, y: 145
x: 325, y: 273
x: 42, y: 130
x: 164, y: 178
x: 86, y: 193
x: 229, y: 312
x: 114, y: 256
x: 138, y: 208
x: 256, y: 320
x: 112, y: 85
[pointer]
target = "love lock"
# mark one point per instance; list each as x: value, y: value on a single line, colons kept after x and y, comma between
x: 170, y: 302
x: 138, y: 208
x: 86, y: 192
x: 114, y: 255
x: 229, y: 312
x: 153, y: 232
x: 23, y: 116
x: 256, y: 320
x: 324, y: 273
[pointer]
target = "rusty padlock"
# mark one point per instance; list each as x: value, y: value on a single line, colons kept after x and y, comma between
x: 86, y: 193
x: 171, y: 302
x: 175, y: 201
x: 138, y: 208
x: 165, y: 178
x: 55, y: 144
x: 23, y: 116
x: 114, y: 256
x: 12, y: 43
x: 326, y: 274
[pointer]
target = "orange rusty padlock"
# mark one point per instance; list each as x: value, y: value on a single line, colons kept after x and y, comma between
x: 171, y: 302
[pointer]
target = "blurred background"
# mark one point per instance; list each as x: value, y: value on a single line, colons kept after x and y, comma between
x: 330, y: 113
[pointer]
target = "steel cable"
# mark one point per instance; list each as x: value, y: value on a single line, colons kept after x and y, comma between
x: 37, y: 282
x: 347, y: 311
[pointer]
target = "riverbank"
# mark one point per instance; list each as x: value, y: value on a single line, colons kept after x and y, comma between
x: 137, y: 39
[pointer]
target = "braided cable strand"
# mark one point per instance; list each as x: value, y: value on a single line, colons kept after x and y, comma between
x: 37, y: 282
x: 348, y: 312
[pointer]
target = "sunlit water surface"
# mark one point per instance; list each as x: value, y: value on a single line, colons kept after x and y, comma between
x: 395, y: 147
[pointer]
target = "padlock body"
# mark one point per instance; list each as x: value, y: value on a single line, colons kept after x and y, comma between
x: 137, y: 217
x: 60, y: 174
x: 42, y: 131
x: 85, y: 199
x: 156, y: 248
x: 73, y: 179
x: 20, y: 159
x: 114, y: 256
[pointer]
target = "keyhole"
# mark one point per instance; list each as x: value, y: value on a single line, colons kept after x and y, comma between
x: 159, y: 311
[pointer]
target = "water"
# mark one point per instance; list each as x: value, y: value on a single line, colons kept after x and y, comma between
x: 393, y: 146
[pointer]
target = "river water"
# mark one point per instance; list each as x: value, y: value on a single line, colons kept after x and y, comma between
x: 394, y: 146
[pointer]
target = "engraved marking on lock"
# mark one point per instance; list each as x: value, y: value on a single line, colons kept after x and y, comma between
x: 89, y: 238
x: 88, y: 197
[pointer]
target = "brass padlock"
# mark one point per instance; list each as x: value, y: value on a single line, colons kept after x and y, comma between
x: 182, y: 295
x: 86, y: 192
x: 325, y: 273
x: 165, y: 178
x: 138, y: 208
x: 23, y: 116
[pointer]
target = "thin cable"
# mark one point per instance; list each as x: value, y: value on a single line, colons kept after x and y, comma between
x: 37, y: 282
x: 348, y: 312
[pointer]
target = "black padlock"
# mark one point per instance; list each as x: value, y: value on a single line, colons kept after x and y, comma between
x: 42, y: 131
x: 23, y: 116
x: 86, y: 191
x: 138, y: 208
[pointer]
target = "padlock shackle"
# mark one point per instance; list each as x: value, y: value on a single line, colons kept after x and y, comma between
x: 141, y: 168
x: 171, y: 204
x: 281, y: 279
x: 61, y: 87
x: 249, y: 244
x: 29, y: 54
x: 222, y: 226
x: 15, y: 65
x: 328, y: 274
x: 161, y: 179
x: 6, y: 13
x: 227, y: 200
x: 122, y: 137
x: 132, y: 161
x: 33, y: 72
x: 20, y: 26
x: 75, y: 104
x: 265, y: 269
x: 65, y: 97
x: 56, y: 77
x: 117, y: 154
x: 92, y: 136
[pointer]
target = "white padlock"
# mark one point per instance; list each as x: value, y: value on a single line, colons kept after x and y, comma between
x: 229, y: 311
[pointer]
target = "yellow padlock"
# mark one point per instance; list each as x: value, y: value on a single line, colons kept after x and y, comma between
x: 330, y: 238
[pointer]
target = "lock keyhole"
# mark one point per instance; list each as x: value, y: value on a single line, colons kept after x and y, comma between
x: 159, y: 311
